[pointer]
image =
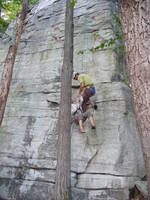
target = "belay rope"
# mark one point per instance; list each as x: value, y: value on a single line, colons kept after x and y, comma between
x: 85, y: 46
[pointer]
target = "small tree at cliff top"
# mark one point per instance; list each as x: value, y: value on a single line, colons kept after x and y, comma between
x: 63, y: 182
x: 135, y: 18
x: 11, y: 8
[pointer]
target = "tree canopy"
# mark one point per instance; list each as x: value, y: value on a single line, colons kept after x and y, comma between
x: 11, y: 8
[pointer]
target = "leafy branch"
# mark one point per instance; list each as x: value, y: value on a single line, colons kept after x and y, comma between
x: 10, y: 10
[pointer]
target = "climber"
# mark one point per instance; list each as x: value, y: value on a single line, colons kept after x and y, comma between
x: 87, y: 86
x: 79, y: 116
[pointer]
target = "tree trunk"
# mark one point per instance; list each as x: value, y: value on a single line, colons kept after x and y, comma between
x: 63, y: 177
x: 9, y: 62
x: 136, y: 32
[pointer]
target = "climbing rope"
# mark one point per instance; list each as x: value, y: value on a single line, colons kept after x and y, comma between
x: 85, y: 46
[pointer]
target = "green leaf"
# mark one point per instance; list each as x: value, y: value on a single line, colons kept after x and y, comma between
x: 80, y: 52
x: 92, y: 49
x: 3, y: 25
x: 102, y: 45
x: 111, y: 42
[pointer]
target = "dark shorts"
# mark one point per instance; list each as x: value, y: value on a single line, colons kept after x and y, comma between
x: 88, y: 92
x: 82, y: 116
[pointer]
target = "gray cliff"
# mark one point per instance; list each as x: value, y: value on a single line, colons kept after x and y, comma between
x: 105, y: 162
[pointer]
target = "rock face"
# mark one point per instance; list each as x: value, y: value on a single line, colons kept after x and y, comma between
x: 106, y: 161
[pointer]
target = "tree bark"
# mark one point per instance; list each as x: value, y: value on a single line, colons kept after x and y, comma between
x: 9, y: 62
x: 135, y: 20
x: 63, y: 177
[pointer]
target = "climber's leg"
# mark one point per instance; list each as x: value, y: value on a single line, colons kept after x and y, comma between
x: 80, y: 121
x: 86, y: 97
x: 91, y: 120
x: 81, y: 126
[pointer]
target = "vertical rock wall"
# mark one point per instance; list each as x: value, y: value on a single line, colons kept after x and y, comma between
x: 106, y: 161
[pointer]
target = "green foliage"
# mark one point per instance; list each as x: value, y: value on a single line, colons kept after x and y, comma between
x: 3, y: 25
x: 72, y: 3
x: 116, y: 19
x: 119, y: 48
x: 104, y: 44
x: 126, y: 81
x: 31, y: 2
x: 81, y: 52
x: 116, y: 42
x: 11, y: 8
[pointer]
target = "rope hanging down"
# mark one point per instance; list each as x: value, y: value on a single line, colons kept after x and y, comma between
x: 85, y: 45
